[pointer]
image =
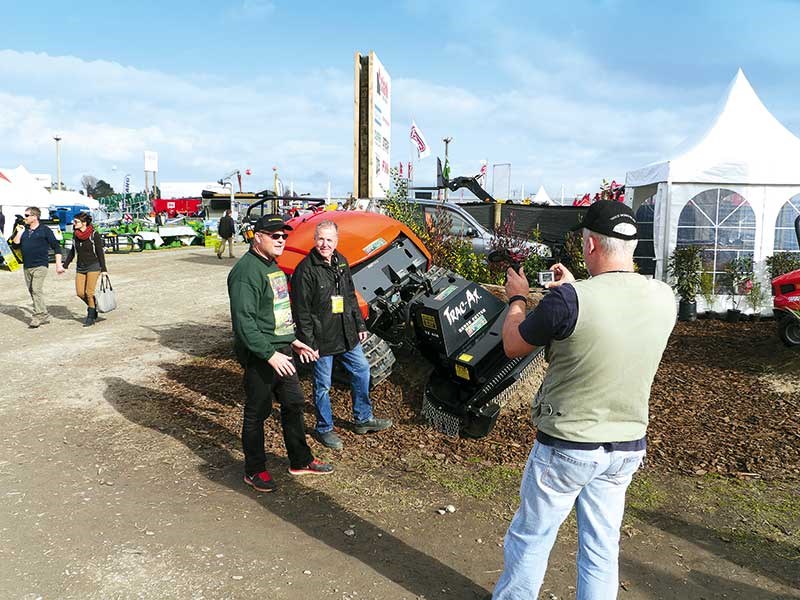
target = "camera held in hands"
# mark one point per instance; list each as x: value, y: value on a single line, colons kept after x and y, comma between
x: 545, y: 277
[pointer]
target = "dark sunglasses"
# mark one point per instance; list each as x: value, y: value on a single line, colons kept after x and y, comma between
x: 27, y: 215
x: 275, y: 236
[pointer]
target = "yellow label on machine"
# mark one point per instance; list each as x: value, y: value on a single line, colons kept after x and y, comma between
x: 462, y: 371
x: 465, y: 358
x: 428, y: 322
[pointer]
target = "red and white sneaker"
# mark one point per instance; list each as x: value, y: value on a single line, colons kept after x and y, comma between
x: 315, y: 467
x: 261, y: 482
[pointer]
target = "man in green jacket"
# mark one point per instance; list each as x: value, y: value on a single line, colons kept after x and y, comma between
x: 264, y: 339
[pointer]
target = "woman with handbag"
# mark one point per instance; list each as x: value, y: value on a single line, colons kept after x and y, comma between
x: 87, y: 247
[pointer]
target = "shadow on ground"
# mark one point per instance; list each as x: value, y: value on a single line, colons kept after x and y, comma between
x: 316, y: 514
x: 211, y: 259
x: 770, y: 558
x: 196, y: 339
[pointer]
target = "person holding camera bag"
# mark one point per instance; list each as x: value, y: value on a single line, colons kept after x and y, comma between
x: 87, y: 247
x: 604, y: 337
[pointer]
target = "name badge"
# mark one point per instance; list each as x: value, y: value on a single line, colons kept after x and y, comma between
x: 337, y: 304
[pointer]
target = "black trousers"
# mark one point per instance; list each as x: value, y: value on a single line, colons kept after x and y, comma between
x: 261, y: 385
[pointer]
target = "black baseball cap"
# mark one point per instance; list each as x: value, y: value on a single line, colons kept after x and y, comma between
x: 273, y: 222
x: 610, y: 218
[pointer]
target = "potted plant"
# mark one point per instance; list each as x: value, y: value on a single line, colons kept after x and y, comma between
x: 685, y: 267
x: 707, y: 291
x: 756, y: 298
x: 737, y: 273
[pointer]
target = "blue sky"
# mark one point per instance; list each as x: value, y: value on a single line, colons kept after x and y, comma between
x: 568, y: 93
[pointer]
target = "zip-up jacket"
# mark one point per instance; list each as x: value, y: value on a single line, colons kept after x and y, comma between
x: 89, y: 253
x: 314, y: 283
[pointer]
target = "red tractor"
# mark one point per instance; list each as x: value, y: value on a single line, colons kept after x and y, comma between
x: 786, y: 304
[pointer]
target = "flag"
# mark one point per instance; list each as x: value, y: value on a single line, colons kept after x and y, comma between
x: 482, y: 174
x: 423, y: 149
x: 446, y: 169
x: 401, y: 169
x: 409, y: 170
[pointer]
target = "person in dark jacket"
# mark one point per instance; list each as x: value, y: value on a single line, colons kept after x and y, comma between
x: 2, y: 222
x: 36, y: 241
x: 87, y: 250
x: 263, y: 339
x: 329, y: 320
x: 226, y: 231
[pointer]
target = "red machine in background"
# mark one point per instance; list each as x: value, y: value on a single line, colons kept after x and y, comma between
x: 786, y: 303
x: 177, y: 206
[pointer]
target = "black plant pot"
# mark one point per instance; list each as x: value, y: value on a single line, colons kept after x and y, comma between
x: 733, y: 315
x: 687, y: 311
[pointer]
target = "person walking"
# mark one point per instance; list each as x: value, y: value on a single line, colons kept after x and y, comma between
x: 36, y: 241
x: 329, y: 320
x: 264, y: 340
x: 226, y: 230
x: 606, y: 336
x: 87, y: 251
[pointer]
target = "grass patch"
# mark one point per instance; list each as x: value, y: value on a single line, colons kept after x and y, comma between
x: 645, y: 493
x: 496, y: 482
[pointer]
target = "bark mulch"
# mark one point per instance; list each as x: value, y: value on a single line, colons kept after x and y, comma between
x: 713, y: 408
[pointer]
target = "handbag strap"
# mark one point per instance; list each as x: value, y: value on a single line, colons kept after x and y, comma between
x: 105, y: 283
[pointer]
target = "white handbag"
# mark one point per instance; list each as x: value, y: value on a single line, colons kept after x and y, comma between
x: 104, y: 298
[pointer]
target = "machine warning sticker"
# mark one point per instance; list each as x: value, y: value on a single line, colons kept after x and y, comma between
x: 372, y: 246
x: 445, y: 292
x: 475, y: 325
x: 465, y: 358
x: 428, y: 322
x: 462, y: 372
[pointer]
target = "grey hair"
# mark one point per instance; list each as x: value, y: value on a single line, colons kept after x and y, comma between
x: 612, y: 246
x: 325, y: 225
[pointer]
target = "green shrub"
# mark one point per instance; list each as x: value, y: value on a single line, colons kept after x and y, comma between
x: 782, y: 262
x: 685, y: 267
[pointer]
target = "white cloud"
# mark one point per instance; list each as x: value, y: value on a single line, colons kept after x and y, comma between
x: 560, y: 118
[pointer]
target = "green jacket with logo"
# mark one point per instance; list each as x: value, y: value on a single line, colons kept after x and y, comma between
x: 261, y: 313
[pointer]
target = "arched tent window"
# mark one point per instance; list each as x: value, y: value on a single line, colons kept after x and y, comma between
x: 644, y: 255
x: 723, y: 224
x: 785, y: 238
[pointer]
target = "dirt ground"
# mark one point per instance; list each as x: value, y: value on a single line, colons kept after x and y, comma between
x: 119, y: 477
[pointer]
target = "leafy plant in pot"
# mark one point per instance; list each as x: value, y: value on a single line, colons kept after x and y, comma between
x: 685, y: 267
x: 737, y: 273
x: 708, y: 293
x: 756, y: 297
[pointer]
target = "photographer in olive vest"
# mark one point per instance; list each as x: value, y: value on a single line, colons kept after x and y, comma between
x: 605, y: 337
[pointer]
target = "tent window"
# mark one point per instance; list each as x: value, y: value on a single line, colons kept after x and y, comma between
x: 721, y: 222
x: 644, y: 255
x: 785, y: 239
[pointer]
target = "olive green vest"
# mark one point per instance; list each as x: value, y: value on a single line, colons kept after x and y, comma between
x: 597, y: 385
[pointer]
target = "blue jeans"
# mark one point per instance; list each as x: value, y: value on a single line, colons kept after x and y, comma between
x: 356, y: 364
x: 555, y: 479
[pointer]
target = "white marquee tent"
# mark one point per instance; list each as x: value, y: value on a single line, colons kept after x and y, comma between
x: 735, y: 190
x: 18, y: 190
x: 542, y: 197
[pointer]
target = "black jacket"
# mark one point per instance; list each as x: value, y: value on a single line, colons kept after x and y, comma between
x: 313, y: 283
x: 226, y: 227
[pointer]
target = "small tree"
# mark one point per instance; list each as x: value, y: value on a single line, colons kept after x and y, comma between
x: 573, y: 255
x: 87, y: 183
x: 685, y: 266
x: 756, y: 296
x: 102, y: 189
x: 737, y: 273
x: 707, y: 289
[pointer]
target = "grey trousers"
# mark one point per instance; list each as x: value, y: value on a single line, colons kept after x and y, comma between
x: 34, y: 280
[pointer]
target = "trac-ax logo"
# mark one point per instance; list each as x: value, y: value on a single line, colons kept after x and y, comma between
x: 454, y: 313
